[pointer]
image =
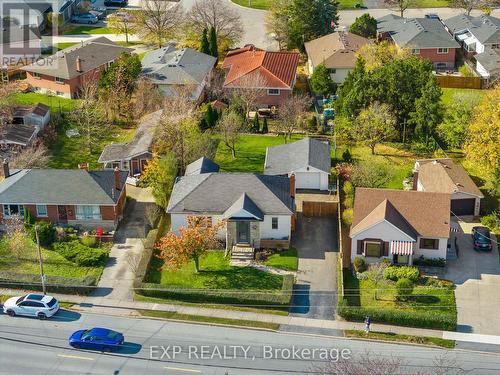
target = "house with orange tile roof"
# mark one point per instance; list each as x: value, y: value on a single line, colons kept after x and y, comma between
x: 272, y: 72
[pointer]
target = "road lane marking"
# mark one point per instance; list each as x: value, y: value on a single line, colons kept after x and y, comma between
x: 75, y: 357
x: 182, y: 369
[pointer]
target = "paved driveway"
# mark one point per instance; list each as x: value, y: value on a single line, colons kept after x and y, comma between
x: 477, y: 276
x: 316, y: 242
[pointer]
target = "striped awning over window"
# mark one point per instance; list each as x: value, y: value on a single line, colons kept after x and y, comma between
x: 401, y: 247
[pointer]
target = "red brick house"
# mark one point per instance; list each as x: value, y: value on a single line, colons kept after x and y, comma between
x: 272, y: 72
x: 423, y: 37
x: 64, y: 73
x: 76, y: 197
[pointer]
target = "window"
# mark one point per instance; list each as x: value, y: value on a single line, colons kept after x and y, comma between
x: 88, y: 213
x: 332, y: 71
x: 36, y: 75
x: 415, y: 51
x: 41, y: 210
x: 274, y: 223
x: 429, y: 243
x: 442, y: 50
x: 372, y: 249
x: 13, y: 210
x: 273, y: 91
x: 59, y: 93
x: 59, y: 80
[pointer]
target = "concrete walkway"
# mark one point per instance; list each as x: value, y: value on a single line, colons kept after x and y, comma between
x: 118, y: 276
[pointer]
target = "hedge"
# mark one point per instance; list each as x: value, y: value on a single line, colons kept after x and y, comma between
x: 222, y: 296
x: 419, y: 319
x: 395, y: 273
x: 54, y: 284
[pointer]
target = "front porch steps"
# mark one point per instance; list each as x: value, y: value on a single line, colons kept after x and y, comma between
x: 242, y: 255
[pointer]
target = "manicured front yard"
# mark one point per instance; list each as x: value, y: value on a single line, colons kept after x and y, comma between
x: 85, y: 29
x: 285, y: 260
x: 215, y: 273
x: 266, y: 4
x: 428, y: 306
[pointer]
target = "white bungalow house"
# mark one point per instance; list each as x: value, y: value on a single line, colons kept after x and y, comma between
x: 258, y: 209
x: 444, y: 176
x: 399, y: 225
x: 308, y: 159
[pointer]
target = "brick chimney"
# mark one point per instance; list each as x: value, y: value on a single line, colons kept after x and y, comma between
x: 84, y: 166
x: 292, y: 185
x: 118, y: 182
x: 5, y: 168
x: 78, y: 64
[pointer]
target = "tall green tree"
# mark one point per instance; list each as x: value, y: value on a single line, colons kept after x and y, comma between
x: 265, y: 128
x: 365, y: 26
x: 321, y: 81
x: 204, y: 44
x: 255, y: 124
x: 428, y: 111
x: 212, y: 42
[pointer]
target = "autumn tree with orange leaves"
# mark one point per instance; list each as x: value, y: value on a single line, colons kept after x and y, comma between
x: 191, y: 243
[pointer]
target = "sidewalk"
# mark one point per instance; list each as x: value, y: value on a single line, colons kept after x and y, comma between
x: 109, y: 306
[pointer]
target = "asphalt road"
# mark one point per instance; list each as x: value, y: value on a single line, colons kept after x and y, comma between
x: 30, y: 346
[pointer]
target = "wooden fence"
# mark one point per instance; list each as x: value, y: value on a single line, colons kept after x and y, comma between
x: 310, y: 209
x: 458, y: 82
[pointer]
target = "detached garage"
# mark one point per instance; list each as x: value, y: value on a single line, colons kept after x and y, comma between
x: 307, y: 159
x: 444, y: 176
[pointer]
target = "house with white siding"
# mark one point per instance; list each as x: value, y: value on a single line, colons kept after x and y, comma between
x: 399, y: 225
x: 258, y: 210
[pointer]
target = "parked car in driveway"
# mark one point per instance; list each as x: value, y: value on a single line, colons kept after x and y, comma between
x: 481, y: 237
x: 116, y: 3
x: 98, y: 13
x: 85, y: 18
x: 103, y: 339
x: 36, y: 305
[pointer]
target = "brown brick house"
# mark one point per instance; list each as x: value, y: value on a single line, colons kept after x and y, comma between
x: 273, y: 72
x: 64, y: 73
x: 76, y: 197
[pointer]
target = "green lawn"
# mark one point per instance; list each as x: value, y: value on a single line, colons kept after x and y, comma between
x: 55, y: 103
x: 266, y: 4
x: 448, y: 94
x: 215, y: 273
x: 68, y: 152
x: 389, y: 336
x: 430, y: 4
x: 86, y: 29
x: 285, y: 260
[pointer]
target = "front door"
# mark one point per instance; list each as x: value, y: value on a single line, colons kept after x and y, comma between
x: 243, y: 232
x: 63, y: 215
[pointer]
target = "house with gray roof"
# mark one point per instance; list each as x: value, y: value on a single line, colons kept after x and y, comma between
x: 308, y: 160
x: 64, y: 73
x: 175, y: 70
x: 77, y: 197
x: 488, y: 63
x: 258, y: 210
x: 424, y: 37
x: 202, y: 165
x: 475, y: 33
x: 134, y: 155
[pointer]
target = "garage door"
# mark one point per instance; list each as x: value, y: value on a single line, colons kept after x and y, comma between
x: 463, y: 206
x: 307, y: 180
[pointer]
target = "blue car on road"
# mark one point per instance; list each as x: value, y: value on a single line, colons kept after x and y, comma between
x: 102, y: 339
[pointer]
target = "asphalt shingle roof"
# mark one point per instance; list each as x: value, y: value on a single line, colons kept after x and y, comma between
x: 484, y: 27
x: 61, y: 186
x: 215, y: 193
x: 416, y: 32
x: 243, y: 204
x: 202, y: 165
x: 287, y: 158
x: 489, y: 59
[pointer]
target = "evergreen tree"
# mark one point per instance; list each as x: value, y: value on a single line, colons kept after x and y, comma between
x: 204, y: 44
x: 212, y: 41
x: 365, y: 26
x: 256, y: 124
x: 265, y: 130
x: 321, y: 81
x: 28, y: 219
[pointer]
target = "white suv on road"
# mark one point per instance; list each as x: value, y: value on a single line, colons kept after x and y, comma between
x: 37, y: 305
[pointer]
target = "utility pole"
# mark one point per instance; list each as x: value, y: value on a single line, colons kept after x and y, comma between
x: 40, y: 259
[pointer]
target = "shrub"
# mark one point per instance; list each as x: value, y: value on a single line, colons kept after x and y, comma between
x: 465, y: 71
x: 346, y: 156
x: 430, y: 262
x: 359, y: 264
x: 89, y: 241
x: 348, y: 202
x: 404, y: 288
x: 437, y: 283
x: 348, y: 189
x: 492, y: 221
x: 395, y: 273
x: 347, y: 216
x: 82, y: 255
x: 28, y: 219
x: 46, y: 233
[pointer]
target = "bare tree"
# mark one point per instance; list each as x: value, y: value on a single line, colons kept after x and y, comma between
x: 230, y: 126
x: 36, y: 156
x: 17, y: 240
x: 148, y: 98
x: 217, y: 14
x: 469, y: 5
x: 122, y: 23
x: 291, y: 114
x: 400, y: 5
x: 248, y: 89
x: 159, y: 20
